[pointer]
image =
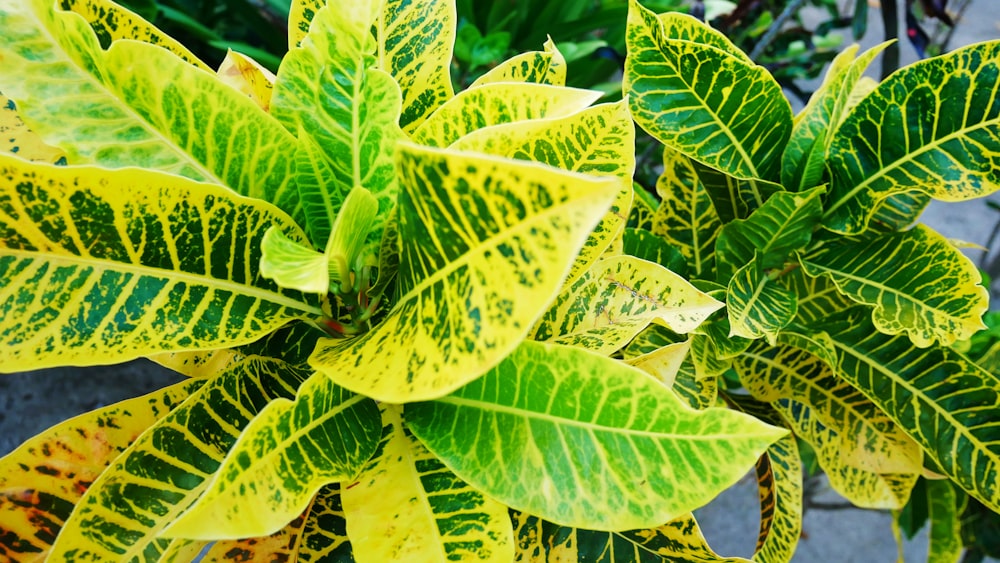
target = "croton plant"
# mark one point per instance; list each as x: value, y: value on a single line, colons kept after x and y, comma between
x: 422, y: 325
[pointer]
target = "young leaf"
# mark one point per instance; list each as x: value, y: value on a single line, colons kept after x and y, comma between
x: 918, y: 283
x: 46, y: 476
x: 616, y: 299
x: 110, y: 265
x: 434, y: 515
x: 165, y: 469
x: 539, y: 67
x: 248, y: 77
x: 757, y: 305
x: 930, y: 126
x: 701, y: 99
x: 293, y: 265
x: 281, y: 460
x: 587, y: 441
x: 663, y: 363
x: 475, y: 231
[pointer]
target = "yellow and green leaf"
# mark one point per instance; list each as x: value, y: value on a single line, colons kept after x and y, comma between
x: 248, y: 77
x: 757, y: 305
x: 899, y: 211
x: 199, y: 364
x: 944, y: 513
x: 539, y: 67
x: 692, y: 92
x: 697, y: 390
x: 100, y: 266
x: 587, y: 441
x: 16, y: 138
x: 918, y: 283
x: 644, y: 205
x: 817, y: 298
x: 663, y: 363
x: 734, y: 198
x: 930, y: 127
x: 324, y: 537
x: 616, y: 299
x: 279, y: 546
x: 287, y: 453
x: 475, y: 231
x: 647, y: 246
x: 46, y: 476
x: 407, y: 506
x: 167, y: 467
x: 300, y: 16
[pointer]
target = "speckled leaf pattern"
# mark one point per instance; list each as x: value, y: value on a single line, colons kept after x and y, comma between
x: 802, y: 164
x: 248, y: 77
x: 281, y: 460
x: 300, y: 16
x: 499, y: 103
x: 407, y: 506
x: 917, y: 282
x: 415, y: 46
x: 681, y: 91
x: 782, y: 225
x: 678, y: 541
x: 164, y: 471
x: 112, y: 22
x: 324, y: 537
x: 650, y: 340
x: 279, y: 546
x: 17, y: 138
x: 933, y: 126
x: 944, y: 402
x: 44, y: 477
x: 945, y: 517
x: 198, y: 364
x: 326, y: 92
x: 100, y: 266
x: 587, y: 441
x: 475, y: 231
x: 138, y: 105
x: 540, y: 67
x: 757, y: 305
x: 618, y: 297
x: 596, y: 141
x: 686, y: 217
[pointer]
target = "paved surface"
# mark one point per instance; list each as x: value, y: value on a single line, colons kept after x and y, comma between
x: 30, y: 402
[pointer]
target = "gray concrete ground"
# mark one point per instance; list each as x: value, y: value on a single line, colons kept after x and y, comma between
x: 31, y: 402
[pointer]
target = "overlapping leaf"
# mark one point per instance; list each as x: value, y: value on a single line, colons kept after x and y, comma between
x: 44, y: 478
x: 732, y: 197
x: 663, y: 363
x: 697, y: 96
x: 757, y: 305
x: 476, y: 231
x: 539, y: 67
x: 17, y: 138
x: 918, y: 283
x: 198, y: 364
x: 300, y: 16
x: 100, y: 265
x: 138, y: 105
x: 165, y: 469
x: 434, y: 516
x: 498, y: 103
x: 899, y: 211
x: 946, y: 545
x: 644, y: 204
x: 816, y: 298
x: 644, y: 244
x: 586, y: 441
x: 324, y: 537
x: 696, y: 390
x: 933, y: 126
x: 618, y: 297
x: 279, y: 546
x: 281, y: 460
x: 248, y: 77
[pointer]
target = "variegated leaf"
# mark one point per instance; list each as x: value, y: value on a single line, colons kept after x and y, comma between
x: 164, y: 471
x: 644, y: 244
x: 944, y: 514
x: 686, y: 217
x: 499, y: 103
x: 324, y: 537
x: 100, y: 266
x: 697, y: 391
x: 694, y: 94
x: 137, y: 104
x: 200, y: 364
x: 757, y: 305
x: 917, y: 282
x: 248, y: 77
x: 618, y: 297
x: 279, y: 546
x: 486, y: 244
x: 46, y: 476
x: 899, y: 211
x: 934, y: 127
x: 652, y: 338
x: 434, y: 515
x: 587, y: 441
x: 17, y: 138
x: 817, y: 298
x: 539, y: 67
x: 644, y: 204
x: 678, y: 541
x: 663, y: 363
x: 416, y: 40
x: 734, y: 198
x: 300, y: 16
x: 287, y: 453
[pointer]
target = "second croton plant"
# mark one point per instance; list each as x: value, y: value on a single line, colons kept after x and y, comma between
x: 423, y: 325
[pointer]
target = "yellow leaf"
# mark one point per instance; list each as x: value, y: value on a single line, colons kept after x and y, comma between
x: 540, y: 67
x: 248, y: 77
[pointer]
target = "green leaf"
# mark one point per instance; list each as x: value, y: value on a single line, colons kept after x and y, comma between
x: 686, y: 217
x: 499, y: 103
x: 942, y: 400
x: 817, y: 298
x: 287, y: 453
x: 696, y: 390
x: 734, y: 198
x: 100, y: 266
x: 138, y: 105
x: 616, y: 299
x: 946, y: 526
x: 698, y: 96
x: 899, y: 211
x: 931, y: 126
x: 679, y: 541
x: 324, y: 537
x: 434, y: 515
x: 48, y: 474
x: 292, y: 264
x: 587, y: 441
x: 647, y: 246
x: 456, y: 317
x: 918, y: 283
x: 785, y: 223
x: 325, y: 91
x: 539, y: 67
x: 757, y: 305
x: 168, y: 466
